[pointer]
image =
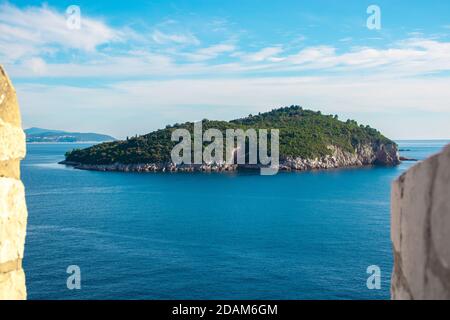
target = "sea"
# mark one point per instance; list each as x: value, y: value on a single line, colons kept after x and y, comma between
x: 305, y: 235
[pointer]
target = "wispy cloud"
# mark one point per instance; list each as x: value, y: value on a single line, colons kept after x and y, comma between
x: 411, y: 57
x: 183, y: 38
x: 42, y: 31
x: 31, y: 37
x: 265, y: 54
x: 211, y: 52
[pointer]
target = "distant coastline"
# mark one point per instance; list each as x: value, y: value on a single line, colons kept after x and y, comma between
x: 66, y: 142
x: 40, y: 135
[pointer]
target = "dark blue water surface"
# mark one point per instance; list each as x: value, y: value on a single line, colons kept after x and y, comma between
x: 307, y: 235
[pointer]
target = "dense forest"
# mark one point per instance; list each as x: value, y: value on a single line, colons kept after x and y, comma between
x: 303, y: 133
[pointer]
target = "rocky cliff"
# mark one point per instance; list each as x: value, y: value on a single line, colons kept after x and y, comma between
x: 364, y: 155
x: 13, y: 212
x: 420, y: 230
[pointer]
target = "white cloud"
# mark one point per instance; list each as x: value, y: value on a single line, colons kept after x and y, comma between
x: 405, y: 58
x: 37, y: 65
x: 314, y: 55
x: 183, y: 38
x: 38, y: 30
x: 30, y: 37
x: 411, y: 57
x: 210, y: 52
x: 265, y: 54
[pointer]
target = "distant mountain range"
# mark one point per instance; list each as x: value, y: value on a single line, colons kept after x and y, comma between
x: 47, y: 135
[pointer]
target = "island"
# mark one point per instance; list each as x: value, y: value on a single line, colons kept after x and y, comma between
x: 308, y: 140
x: 39, y: 135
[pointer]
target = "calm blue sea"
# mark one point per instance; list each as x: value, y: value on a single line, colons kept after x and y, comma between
x: 307, y: 235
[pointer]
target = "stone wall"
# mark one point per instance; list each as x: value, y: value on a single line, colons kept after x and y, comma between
x: 13, y: 211
x: 420, y: 230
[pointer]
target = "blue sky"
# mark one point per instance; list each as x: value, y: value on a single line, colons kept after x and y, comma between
x: 135, y: 66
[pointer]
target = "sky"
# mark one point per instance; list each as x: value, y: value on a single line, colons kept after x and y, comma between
x: 135, y: 66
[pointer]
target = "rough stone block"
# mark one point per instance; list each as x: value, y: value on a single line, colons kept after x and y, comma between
x: 13, y: 219
x: 420, y: 230
x: 13, y: 211
x: 10, y: 169
x: 12, y: 142
x: 9, y: 109
x: 12, y: 285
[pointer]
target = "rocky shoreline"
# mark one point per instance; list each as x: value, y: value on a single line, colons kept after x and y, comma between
x: 364, y: 155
